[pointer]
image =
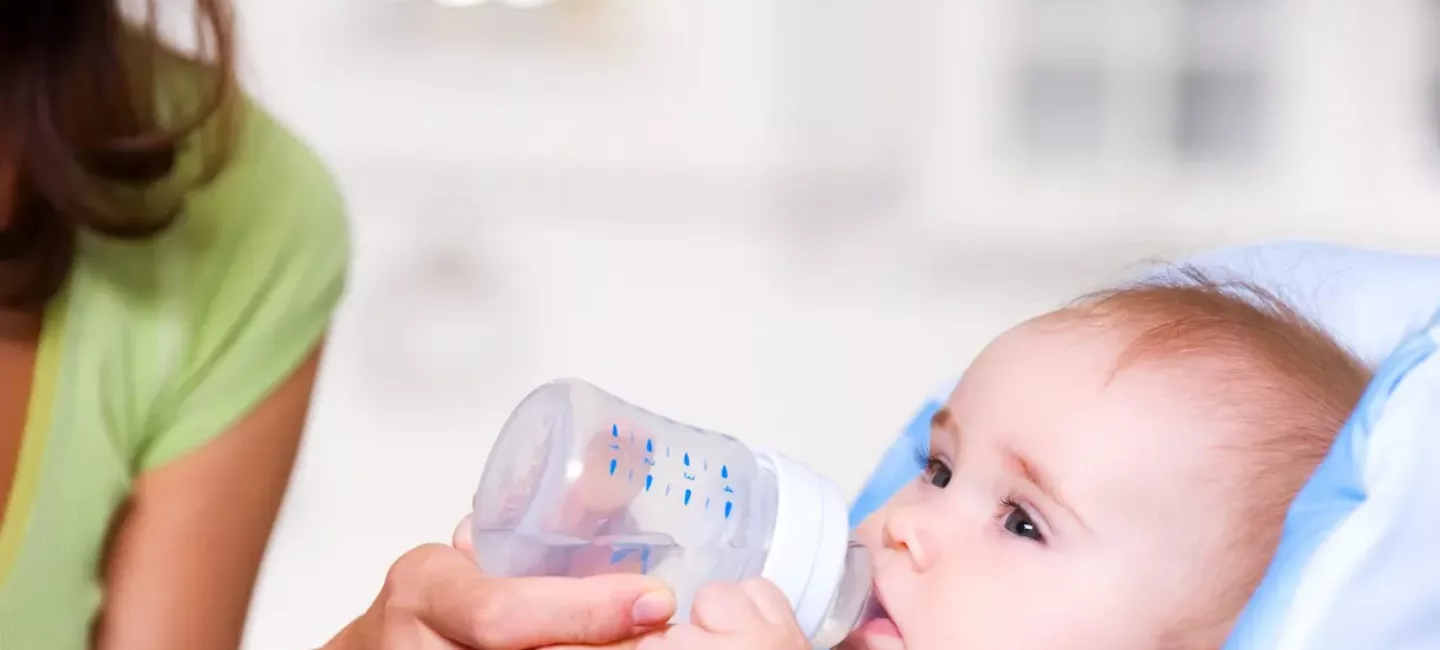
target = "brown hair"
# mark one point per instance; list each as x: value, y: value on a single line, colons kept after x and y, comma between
x: 1287, y: 381
x: 88, y: 140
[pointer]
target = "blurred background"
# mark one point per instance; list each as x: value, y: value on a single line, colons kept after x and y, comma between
x: 787, y: 220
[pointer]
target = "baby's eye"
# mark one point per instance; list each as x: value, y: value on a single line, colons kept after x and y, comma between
x: 1018, y: 523
x: 937, y: 473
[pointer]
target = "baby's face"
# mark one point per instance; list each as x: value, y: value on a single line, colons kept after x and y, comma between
x: 1064, y: 507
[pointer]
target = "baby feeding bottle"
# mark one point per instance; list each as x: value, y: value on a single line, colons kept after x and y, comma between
x: 581, y: 483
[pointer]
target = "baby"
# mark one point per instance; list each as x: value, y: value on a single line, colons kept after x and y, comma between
x: 1110, y: 476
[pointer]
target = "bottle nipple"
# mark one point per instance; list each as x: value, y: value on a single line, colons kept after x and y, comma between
x: 854, y: 602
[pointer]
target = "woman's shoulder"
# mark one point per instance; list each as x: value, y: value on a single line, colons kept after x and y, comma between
x: 271, y: 184
x: 268, y: 201
x: 213, y: 312
x: 268, y: 228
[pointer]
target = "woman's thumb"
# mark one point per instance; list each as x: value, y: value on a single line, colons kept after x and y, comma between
x: 463, y: 538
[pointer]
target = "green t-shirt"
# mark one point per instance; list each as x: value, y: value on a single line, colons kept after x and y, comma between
x: 154, y: 348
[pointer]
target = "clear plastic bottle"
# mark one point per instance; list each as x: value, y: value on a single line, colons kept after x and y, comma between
x: 582, y: 483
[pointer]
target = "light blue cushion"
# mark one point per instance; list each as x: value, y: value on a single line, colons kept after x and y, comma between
x: 1359, y: 563
x: 904, y: 461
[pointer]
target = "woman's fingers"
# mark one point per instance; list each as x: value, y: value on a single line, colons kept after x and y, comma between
x: 628, y: 644
x: 530, y: 612
x: 447, y: 593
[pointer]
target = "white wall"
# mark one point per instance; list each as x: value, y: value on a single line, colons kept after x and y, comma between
x: 782, y: 220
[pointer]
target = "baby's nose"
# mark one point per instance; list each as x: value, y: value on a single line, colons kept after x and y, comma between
x: 905, y: 532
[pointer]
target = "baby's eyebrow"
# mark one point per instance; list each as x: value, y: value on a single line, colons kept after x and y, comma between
x: 944, y: 421
x: 1037, y: 477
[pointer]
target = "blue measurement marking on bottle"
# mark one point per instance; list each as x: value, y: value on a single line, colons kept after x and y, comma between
x: 614, y: 433
x: 621, y: 552
x: 688, y: 476
x: 692, y: 465
x: 725, y: 474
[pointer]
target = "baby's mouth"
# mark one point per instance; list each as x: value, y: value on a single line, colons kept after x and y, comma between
x: 877, y: 630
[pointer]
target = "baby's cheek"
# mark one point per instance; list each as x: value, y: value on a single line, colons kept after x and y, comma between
x: 1127, y: 600
x: 871, y: 531
x: 1020, y: 597
x: 1213, y: 591
x: 1077, y: 617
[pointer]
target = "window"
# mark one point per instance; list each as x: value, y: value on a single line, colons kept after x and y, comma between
x: 1219, y: 80
x: 1217, y: 114
x: 1062, y: 90
x: 1107, y: 77
x: 1062, y: 108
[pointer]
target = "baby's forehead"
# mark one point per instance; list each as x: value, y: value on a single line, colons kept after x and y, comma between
x: 1050, y: 360
x: 1052, y: 392
x: 1071, y: 373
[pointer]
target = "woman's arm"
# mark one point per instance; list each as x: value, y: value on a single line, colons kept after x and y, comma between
x: 182, y: 562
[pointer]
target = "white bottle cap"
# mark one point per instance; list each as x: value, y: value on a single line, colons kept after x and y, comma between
x: 808, y: 549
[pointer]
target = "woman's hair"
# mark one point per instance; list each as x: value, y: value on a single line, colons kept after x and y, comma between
x: 96, y: 111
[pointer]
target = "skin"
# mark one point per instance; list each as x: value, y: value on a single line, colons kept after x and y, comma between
x: 1057, y: 493
x: 186, y: 549
x: 436, y: 598
x: 18, y: 341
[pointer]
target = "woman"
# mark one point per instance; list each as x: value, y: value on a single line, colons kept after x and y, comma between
x: 170, y: 259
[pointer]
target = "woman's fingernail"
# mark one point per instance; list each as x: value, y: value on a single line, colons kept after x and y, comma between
x: 654, y: 608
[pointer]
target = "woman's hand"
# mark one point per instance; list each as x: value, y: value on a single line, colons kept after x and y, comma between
x: 436, y: 598
x: 753, y: 615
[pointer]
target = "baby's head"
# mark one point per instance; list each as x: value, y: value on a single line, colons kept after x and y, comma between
x: 1113, y: 475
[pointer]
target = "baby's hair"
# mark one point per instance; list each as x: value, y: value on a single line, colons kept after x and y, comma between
x: 1287, y: 383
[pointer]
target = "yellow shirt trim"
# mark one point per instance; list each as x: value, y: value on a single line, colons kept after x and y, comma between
x: 38, y: 412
